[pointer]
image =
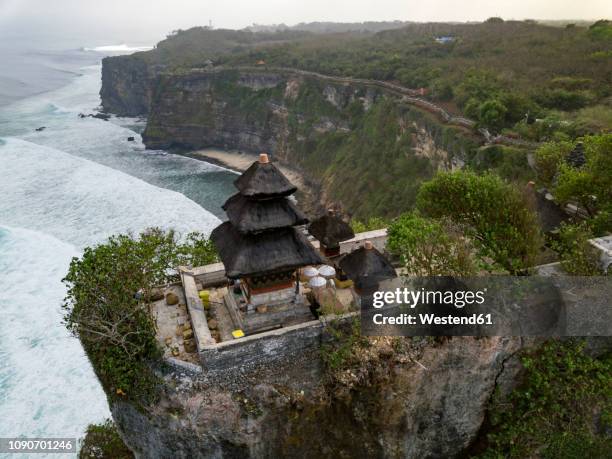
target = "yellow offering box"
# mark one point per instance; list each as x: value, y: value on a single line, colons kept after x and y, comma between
x: 343, y: 284
x: 238, y: 334
x: 205, y: 297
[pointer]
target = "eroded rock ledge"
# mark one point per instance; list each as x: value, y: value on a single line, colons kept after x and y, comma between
x: 407, y: 398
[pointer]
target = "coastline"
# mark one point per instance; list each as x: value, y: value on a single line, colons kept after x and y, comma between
x: 308, y: 195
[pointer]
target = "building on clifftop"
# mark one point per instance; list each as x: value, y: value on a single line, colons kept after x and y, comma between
x: 259, y: 245
x: 330, y: 230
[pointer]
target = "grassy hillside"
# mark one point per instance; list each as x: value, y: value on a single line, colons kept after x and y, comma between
x: 522, y: 67
x: 503, y: 74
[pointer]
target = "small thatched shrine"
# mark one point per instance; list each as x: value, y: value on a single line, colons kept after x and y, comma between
x: 259, y: 244
x: 576, y: 158
x: 366, y: 267
x: 330, y: 230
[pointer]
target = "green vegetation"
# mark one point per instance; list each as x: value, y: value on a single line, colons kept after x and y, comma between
x: 547, y: 159
x: 371, y: 224
x: 589, y: 186
x: 429, y: 247
x: 509, y: 163
x: 578, y: 256
x: 562, y: 409
x: 374, y: 170
x: 496, y: 215
x: 102, y: 310
x: 500, y: 73
x: 102, y: 441
x: 343, y: 345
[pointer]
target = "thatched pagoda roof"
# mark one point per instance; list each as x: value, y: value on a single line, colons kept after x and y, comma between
x: 330, y: 230
x: 263, y: 180
x: 250, y: 215
x: 576, y: 158
x: 366, y: 266
x: 271, y: 251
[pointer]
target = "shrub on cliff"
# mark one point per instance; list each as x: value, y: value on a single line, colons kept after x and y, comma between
x: 371, y: 224
x: 578, y: 256
x: 429, y: 247
x: 102, y: 310
x: 590, y: 186
x: 562, y: 408
x: 102, y: 441
x: 547, y: 159
x: 496, y: 215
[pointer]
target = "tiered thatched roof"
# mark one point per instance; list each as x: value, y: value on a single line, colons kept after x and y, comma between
x: 259, y: 237
x: 366, y: 266
x: 267, y: 252
x: 330, y: 230
x: 262, y: 180
x: 248, y: 215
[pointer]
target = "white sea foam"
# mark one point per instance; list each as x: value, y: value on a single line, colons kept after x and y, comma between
x: 47, y: 387
x: 63, y: 188
x: 105, y: 142
x: 82, y: 202
x: 118, y: 48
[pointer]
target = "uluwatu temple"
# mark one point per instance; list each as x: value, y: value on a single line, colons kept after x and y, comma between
x: 280, y: 277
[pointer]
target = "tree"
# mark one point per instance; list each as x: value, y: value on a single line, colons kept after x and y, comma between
x: 497, y: 215
x: 472, y: 108
x: 102, y: 310
x: 102, y: 441
x: 591, y: 185
x: 429, y: 247
x: 478, y: 85
x: 578, y: 256
x: 548, y: 157
x: 373, y: 223
x: 492, y: 114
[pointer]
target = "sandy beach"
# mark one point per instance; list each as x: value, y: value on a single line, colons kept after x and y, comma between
x: 308, y: 196
x: 239, y: 162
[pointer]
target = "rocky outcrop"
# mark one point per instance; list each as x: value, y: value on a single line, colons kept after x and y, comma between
x: 239, y: 111
x: 418, y: 399
x: 331, y: 130
x: 128, y: 84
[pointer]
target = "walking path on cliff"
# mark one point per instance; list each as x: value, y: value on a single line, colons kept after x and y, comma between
x: 408, y: 95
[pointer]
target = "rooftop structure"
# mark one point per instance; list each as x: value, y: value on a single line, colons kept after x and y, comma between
x: 444, y: 39
x: 259, y: 246
x: 330, y: 230
x: 366, y: 267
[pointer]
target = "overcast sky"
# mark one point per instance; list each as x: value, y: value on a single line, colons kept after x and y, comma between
x: 115, y: 21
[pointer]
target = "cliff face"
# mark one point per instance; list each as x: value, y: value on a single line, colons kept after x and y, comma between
x: 407, y: 398
x: 338, y: 134
x: 127, y: 85
x: 202, y: 109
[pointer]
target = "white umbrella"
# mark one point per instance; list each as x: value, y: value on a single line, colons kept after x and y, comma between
x: 310, y: 271
x: 327, y: 271
x: 317, y: 282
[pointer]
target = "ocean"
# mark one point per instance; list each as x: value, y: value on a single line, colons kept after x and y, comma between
x: 63, y: 188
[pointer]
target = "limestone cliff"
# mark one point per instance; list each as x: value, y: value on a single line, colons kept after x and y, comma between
x: 361, y: 146
x: 127, y: 85
x: 405, y: 398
